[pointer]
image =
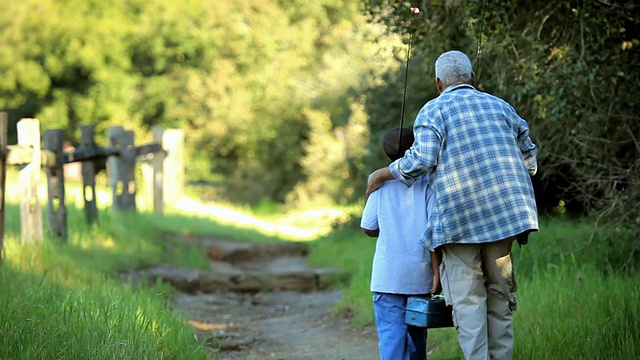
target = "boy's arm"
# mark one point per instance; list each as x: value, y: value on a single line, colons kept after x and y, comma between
x: 436, y: 260
x: 369, y: 220
x: 372, y: 233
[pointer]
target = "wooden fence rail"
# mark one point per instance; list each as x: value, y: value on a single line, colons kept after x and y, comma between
x: 164, y: 155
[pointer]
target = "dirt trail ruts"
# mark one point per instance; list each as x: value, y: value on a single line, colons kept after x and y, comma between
x: 285, y: 325
x: 262, y: 301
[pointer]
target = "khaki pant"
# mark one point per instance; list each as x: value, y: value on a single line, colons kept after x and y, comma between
x: 477, y: 279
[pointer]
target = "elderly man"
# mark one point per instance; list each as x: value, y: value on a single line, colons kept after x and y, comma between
x: 481, y: 156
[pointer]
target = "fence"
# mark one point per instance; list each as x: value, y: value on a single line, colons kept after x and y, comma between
x: 163, y: 157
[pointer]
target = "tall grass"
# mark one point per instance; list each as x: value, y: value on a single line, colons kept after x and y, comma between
x: 46, y: 319
x: 66, y: 300
x: 572, y: 304
x: 573, y: 311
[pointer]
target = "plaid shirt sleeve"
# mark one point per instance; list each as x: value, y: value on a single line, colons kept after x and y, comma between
x: 527, y: 147
x: 422, y: 157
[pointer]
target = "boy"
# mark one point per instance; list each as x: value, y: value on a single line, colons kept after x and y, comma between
x: 402, y: 267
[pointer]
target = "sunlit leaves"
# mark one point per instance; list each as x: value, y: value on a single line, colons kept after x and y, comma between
x: 235, y: 75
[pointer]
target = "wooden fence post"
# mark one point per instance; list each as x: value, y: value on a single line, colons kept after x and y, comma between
x: 89, y: 175
x: 173, y: 180
x: 157, y: 164
x: 56, y: 208
x: 164, y: 176
x: 30, y: 210
x: 3, y: 176
x: 122, y: 169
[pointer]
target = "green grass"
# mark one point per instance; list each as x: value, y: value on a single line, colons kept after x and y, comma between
x: 65, y: 300
x: 572, y: 305
x: 576, y: 312
x: 43, y: 318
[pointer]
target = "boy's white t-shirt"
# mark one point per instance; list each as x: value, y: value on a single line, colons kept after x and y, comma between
x: 401, y: 264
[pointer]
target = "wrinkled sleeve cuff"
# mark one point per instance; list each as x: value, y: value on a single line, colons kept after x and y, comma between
x: 532, y: 164
x: 394, y: 167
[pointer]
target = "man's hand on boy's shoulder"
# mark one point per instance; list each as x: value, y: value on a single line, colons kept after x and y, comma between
x: 376, y: 179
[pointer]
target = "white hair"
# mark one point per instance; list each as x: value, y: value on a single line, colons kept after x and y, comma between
x: 453, y: 66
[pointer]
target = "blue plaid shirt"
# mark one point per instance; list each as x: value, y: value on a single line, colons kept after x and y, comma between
x: 479, y: 155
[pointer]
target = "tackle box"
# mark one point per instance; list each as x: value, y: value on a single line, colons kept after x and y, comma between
x: 429, y: 312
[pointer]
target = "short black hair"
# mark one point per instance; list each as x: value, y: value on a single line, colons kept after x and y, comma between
x: 396, y: 141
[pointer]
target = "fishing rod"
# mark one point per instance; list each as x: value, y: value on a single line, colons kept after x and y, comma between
x: 414, y: 11
x: 479, y: 50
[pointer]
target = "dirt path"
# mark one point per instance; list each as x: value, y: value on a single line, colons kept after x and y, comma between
x: 262, y: 301
x: 285, y: 325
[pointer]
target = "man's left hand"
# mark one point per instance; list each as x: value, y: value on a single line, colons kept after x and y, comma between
x: 376, y: 179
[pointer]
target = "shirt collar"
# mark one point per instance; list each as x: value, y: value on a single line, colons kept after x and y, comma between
x: 457, y: 86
